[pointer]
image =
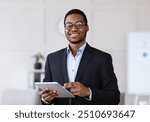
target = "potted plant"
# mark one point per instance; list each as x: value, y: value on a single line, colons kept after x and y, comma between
x: 37, y: 66
x: 38, y: 57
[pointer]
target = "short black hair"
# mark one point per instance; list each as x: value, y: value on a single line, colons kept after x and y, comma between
x: 76, y: 11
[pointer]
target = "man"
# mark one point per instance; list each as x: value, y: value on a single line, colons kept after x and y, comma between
x: 86, y: 71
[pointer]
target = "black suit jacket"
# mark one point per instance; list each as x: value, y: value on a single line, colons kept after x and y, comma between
x: 95, y: 71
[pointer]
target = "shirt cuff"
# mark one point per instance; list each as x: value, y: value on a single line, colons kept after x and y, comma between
x: 45, y: 102
x: 90, y: 96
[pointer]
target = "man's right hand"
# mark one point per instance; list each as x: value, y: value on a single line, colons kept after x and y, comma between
x: 48, y: 95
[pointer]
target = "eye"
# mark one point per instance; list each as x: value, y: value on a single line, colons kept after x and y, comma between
x: 68, y: 25
x: 78, y: 25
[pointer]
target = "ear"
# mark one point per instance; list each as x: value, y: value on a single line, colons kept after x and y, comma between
x: 87, y: 28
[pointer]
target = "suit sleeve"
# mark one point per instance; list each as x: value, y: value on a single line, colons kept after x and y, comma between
x: 48, y: 77
x: 109, y: 94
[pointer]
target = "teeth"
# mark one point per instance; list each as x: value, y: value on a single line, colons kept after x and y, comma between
x: 74, y: 33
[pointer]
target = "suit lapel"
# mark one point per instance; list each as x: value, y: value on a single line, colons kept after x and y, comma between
x: 63, y: 62
x: 84, y: 62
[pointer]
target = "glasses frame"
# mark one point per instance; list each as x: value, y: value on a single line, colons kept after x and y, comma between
x: 75, y: 25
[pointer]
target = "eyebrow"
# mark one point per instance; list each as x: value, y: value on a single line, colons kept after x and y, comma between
x: 75, y: 22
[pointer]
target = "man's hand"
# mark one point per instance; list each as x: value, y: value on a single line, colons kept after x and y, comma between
x: 48, y: 95
x: 78, y: 89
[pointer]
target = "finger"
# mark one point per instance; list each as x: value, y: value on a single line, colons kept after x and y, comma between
x: 48, y: 98
x: 50, y: 95
x: 55, y: 93
x: 74, y: 90
x: 69, y: 85
x: 44, y: 91
x: 77, y: 93
x: 47, y: 93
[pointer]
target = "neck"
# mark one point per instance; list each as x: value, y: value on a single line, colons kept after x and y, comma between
x: 74, y: 47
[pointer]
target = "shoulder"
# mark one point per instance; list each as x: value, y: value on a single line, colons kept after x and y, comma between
x: 101, y: 57
x: 57, y: 53
x: 98, y: 53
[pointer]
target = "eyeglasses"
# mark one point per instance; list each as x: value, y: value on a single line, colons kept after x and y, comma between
x: 77, y: 25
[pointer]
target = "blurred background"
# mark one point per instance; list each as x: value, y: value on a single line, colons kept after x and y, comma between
x: 30, y: 27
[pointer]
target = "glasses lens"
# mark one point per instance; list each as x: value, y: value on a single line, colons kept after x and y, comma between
x: 69, y: 26
x: 78, y: 25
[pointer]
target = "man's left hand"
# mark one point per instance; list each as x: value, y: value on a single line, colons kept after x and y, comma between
x: 78, y: 89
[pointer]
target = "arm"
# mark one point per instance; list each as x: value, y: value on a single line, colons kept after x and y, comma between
x: 109, y: 94
x: 47, y: 96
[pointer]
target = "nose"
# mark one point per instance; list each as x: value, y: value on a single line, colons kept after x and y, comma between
x: 74, y: 28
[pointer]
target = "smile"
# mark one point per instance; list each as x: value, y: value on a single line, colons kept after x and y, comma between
x: 75, y: 34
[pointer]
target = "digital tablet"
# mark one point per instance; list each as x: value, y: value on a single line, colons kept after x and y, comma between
x: 64, y: 93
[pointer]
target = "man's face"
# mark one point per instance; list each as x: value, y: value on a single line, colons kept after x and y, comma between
x: 75, y: 28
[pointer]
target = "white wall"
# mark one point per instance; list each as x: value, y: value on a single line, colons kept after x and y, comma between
x: 30, y: 26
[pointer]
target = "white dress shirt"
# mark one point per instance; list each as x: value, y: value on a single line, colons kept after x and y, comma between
x: 73, y: 64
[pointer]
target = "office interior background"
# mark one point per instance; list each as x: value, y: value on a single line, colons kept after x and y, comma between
x: 31, y: 26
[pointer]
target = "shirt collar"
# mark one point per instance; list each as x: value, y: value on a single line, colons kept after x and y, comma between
x: 81, y: 49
